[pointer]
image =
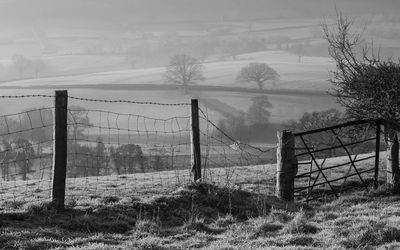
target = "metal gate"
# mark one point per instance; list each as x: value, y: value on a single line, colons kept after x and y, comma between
x: 334, y: 159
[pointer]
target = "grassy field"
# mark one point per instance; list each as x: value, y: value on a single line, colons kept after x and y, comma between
x: 205, y: 217
x: 162, y: 210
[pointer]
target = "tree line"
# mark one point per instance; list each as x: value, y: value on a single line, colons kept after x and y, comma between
x: 185, y: 70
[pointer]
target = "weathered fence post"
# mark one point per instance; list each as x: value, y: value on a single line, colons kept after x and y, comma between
x: 392, y: 160
x: 60, y: 149
x: 195, y: 141
x: 377, y: 149
x: 286, y: 166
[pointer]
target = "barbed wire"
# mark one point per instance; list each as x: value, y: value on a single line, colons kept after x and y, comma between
x: 128, y: 101
x: 26, y: 96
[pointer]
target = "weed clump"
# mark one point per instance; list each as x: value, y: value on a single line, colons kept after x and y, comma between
x: 71, y: 203
x: 265, y: 229
x: 367, y: 233
x: 92, y: 223
x: 225, y: 221
x: 42, y: 208
x: 281, y: 216
x: 147, y: 227
x: 109, y: 199
x: 301, y: 240
x: 381, y: 191
x: 299, y: 225
x: 198, y: 225
x: 14, y: 204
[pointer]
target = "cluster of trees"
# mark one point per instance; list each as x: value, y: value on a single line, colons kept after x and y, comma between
x: 100, y: 160
x: 23, y: 139
x: 89, y: 160
x: 18, y: 154
x: 185, y: 70
x: 242, y: 126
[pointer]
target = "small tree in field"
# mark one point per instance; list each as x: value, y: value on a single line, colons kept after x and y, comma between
x: 184, y: 70
x: 258, y: 73
x: 368, y: 87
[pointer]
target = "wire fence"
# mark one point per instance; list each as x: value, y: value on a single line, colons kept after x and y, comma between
x: 232, y: 163
x: 121, y: 148
x: 126, y: 148
x: 26, y: 140
x: 145, y: 151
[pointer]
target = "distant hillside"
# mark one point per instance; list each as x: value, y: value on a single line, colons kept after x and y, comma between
x: 111, y: 11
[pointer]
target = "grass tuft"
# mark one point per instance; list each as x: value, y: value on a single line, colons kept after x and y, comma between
x: 13, y: 205
x: 225, y: 221
x: 41, y: 208
x: 367, y: 232
x: 199, y: 225
x: 301, y: 240
x: 109, y: 199
x: 71, y: 203
x: 266, y: 228
x: 147, y: 227
x: 299, y: 225
x: 281, y: 216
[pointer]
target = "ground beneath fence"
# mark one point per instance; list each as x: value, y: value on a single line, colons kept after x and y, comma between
x: 205, y: 217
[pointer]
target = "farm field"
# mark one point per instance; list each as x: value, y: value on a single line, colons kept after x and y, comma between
x: 293, y: 75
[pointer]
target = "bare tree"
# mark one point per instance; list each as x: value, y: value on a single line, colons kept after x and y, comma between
x: 184, y: 70
x: 258, y: 73
x: 368, y: 87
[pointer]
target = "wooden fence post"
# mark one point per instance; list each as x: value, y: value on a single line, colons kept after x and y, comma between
x: 377, y: 150
x: 195, y: 141
x: 286, y: 166
x: 60, y: 149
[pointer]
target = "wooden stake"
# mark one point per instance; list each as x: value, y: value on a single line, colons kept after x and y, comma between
x: 286, y: 166
x: 60, y: 149
x: 195, y: 145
